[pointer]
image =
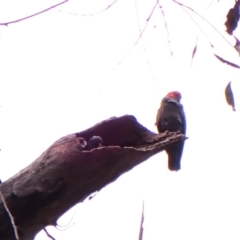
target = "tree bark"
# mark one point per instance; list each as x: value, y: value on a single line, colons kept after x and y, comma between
x: 66, y: 173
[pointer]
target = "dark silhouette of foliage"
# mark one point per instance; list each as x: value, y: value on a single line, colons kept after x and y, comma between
x: 232, y: 18
x: 229, y: 96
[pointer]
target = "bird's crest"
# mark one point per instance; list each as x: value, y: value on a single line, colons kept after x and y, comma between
x: 174, y: 95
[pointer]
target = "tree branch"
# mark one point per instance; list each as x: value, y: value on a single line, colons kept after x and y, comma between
x: 191, y: 9
x: 139, y: 37
x: 90, y: 14
x: 33, y: 15
x: 166, y: 27
x: 66, y: 174
x: 141, y: 224
x: 143, y: 46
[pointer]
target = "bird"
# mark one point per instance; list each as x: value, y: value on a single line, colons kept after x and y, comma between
x: 171, y: 117
x: 94, y: 142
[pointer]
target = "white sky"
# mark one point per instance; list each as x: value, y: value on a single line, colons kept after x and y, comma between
x: 60, y: 74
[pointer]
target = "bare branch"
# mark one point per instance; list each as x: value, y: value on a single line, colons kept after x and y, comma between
x: 218, y: 57
x: 140, y: 35
x: 68, y: 225
x: 185, y: 6
x: 33, y: 15
x: 144, y: 49
x: 168, y: 35
x: 209, y: 5
x: 90, y: 14
x: 39, y: 194
x: 198, y: 26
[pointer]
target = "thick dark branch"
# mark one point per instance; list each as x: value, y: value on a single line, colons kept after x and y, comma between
x: 35, y: 14
x: 66, y: 173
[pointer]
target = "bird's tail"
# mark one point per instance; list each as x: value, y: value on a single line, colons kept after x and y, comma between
x: 174, y: 156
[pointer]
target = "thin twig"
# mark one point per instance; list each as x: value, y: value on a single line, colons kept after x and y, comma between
x: 51, y: 237
x: 218, y: 57
x: 205, y: 35
x: 141, y: 224
x: 90, y: 14
x: 35, y: 14
x: 198, y: 26
x: 68, y: 225
x: 10, y: 216
x: 139, y: 27
x: 63, y: 228
x: 139, y: 37
x: 209, y: 4
x: 185, y: 6
x: 168, y: 35
x: 144, y: 49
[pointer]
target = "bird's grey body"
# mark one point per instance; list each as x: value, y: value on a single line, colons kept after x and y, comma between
x: 94, y: 142
x: 171, y: 117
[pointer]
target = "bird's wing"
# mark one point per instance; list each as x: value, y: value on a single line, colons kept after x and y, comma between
x: 183, y: 118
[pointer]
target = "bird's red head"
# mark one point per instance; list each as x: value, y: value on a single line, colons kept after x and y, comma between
x: 174, y: 95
